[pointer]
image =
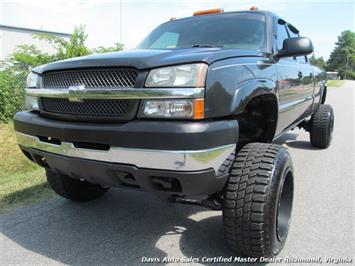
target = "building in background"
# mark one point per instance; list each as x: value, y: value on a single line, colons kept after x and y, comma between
x: 333, y: 75
x: 11, y: 37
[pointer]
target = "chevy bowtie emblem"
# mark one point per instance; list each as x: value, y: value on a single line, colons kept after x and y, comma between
x: 75, y: 91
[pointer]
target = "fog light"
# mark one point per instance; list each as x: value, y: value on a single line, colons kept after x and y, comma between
x: 189, y: 108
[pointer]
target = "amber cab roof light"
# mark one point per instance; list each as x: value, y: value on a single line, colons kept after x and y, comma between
x: 208, y: 11
x: 254, y: 8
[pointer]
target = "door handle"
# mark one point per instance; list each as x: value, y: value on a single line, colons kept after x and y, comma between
x: 300, y: 75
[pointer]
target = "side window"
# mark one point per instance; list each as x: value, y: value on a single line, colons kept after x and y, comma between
x: 167, y: 40
x: 281, y: 35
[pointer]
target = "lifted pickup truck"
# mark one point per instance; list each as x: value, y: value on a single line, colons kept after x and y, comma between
x: 190, y: 114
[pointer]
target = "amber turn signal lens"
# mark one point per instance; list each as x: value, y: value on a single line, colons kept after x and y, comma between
x: 199, y: 108
x: 208, y: 11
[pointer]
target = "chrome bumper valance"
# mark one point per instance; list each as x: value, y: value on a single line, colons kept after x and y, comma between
x: 176, y: 160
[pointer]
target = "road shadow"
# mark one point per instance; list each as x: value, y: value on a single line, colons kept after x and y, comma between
x: 290, y: 140
x: 118, y: 229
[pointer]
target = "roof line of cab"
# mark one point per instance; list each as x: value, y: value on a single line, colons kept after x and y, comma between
x: 263, y: 12
x: 251, y: 11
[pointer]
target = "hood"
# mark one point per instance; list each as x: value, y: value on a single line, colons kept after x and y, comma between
x: 146, y: 59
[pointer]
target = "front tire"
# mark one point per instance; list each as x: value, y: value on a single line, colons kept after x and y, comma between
x: 321, y: 126
x: 74, y: 189
x: 257, y: 200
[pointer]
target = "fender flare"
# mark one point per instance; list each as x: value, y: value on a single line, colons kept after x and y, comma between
x: 249, y: 89
x: 323, y: 94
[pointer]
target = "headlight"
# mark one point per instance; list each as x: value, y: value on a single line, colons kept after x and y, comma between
x: 31, y: 103
x: 32, y: 80
x: 192, y: 75
x: 189, y: 108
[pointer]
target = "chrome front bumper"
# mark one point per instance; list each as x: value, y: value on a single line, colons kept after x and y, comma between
x: 175, y: 160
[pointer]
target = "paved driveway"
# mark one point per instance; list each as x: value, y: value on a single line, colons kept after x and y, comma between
x: 124, y: 226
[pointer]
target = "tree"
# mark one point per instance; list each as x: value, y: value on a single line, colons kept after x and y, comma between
x: 11, y: 94
x: 25, y: 57
x: 74, y: 47
x: 28, y: 56
x: 13, y: 75
x: 117, y: 47
x: 14, y: 69
x: 318, y: 61
x: 342, y: 58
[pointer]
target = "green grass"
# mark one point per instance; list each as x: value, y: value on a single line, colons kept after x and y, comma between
x: 335, y: 83
x: 21, y: 181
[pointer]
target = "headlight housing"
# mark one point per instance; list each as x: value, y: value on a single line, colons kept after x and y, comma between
x: 33, y: 80
x: 175, y: 108
x: 191, y: 75
x: 31, y: 103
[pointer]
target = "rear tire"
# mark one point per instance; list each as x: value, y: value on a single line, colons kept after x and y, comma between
x: 257, y: 200
x: 74, y: 189
x: 321, y: 127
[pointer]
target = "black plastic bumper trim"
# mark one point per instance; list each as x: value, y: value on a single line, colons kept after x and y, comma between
x: 112, y: 175
x: 166, y: 135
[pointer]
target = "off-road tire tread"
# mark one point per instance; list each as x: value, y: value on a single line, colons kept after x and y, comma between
x: 245, y: 199
x: 319, y: 123
x: 226, y: 164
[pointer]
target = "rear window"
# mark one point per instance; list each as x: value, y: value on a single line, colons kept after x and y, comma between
x: 234, y: 30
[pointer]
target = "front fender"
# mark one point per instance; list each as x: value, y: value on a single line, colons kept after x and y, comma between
x: 248, y: 90
x: 231, y: 83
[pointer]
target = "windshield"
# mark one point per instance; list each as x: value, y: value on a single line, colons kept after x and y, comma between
x: 233, y: 30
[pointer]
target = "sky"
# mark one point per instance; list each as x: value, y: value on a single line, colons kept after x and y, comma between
x: 129, y: 21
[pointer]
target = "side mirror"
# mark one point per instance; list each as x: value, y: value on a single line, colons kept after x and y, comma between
x: 295, y: 47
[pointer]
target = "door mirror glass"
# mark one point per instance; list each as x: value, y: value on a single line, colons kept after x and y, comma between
x: 295, y: 47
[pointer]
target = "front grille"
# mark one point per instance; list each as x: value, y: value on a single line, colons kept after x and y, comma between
x: 97, y: 78
x: 121, y: 109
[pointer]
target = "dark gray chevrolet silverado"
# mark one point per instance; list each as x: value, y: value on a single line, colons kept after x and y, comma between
x: 190, y: 115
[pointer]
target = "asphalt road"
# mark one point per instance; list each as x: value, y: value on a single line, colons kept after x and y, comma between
x: 125, y: 226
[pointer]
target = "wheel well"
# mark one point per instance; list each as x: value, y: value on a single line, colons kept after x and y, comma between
x: 258, y: 120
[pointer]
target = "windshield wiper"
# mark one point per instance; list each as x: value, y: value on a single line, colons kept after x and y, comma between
x: 206, y: 45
